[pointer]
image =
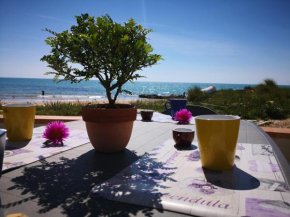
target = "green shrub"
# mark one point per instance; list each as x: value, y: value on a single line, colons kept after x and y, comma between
x: 156, y: 105
x: 268, y: 86
x: 274, y: 112
x: 194, y: 94
x: 270, y: 83
x: 248, y: 88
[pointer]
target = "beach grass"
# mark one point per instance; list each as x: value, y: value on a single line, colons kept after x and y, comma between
x: 266, y: 101
x: 75, y: 108
x: 155, y: 104
x: 60, y: 108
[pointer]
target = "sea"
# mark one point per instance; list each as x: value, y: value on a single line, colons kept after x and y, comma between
x: 30, y: 89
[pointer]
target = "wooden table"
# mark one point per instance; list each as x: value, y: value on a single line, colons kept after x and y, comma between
x: 60, y: 185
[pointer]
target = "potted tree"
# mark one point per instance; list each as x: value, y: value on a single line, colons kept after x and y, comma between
x: 112, y: 53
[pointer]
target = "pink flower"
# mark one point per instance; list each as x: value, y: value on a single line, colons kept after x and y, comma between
x: 183, y: 116
x: 55, y: 132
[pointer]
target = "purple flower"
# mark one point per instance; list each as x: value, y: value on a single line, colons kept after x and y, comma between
x: 183, y: 116
x: 55, y: 132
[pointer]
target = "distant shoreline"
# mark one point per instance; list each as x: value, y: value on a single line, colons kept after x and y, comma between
x: 67, y: 101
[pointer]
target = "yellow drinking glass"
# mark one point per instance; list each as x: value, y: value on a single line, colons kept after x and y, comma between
x: 217, y: 137
x: 19, y: 121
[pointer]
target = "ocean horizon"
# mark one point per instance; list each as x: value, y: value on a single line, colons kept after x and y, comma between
x: 30, y: 89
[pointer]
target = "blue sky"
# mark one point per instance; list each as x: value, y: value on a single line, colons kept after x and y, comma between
x: 204, y: 41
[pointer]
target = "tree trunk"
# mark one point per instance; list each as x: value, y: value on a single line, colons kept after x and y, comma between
x: 109, y: 96
x: 117, y: 92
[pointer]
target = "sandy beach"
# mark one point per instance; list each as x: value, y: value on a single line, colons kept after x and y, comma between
x: 73, y: 101
x: 69, y: 101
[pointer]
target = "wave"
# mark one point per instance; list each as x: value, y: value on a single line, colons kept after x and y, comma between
x: 63, y: 98
x: 96, y: 97
x: 69, y: 97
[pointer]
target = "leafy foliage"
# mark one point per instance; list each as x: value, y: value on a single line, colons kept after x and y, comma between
x: 274, y: 112
x: 248, y: 88
x: 103, y: 49
x: 268, y: 86
x: 251, y: 104
x: 194, y: 94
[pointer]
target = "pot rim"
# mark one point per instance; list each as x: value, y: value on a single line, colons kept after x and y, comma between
x: 103, y: 115
x: 95, y: 106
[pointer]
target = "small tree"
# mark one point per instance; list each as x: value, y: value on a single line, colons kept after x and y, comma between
x: 103, y: 49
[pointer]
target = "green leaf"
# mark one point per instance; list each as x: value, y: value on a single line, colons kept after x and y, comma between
x: 126, y: 91
x: 55, y: 79
x: 125, y: 38
x: 148, y: 48
x: 48, y: 41
x: 138, y: 44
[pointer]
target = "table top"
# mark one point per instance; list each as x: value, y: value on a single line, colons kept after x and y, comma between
x: 60, y: 185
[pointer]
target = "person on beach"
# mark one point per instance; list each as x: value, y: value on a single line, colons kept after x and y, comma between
x: 184, y: 95
x: 42, y: 92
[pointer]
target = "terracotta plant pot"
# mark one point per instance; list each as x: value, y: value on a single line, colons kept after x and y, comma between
x: 109, y: 130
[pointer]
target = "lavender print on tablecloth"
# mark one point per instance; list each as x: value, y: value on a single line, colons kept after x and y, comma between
x: 194, y: 156
x: 11, y: 153
x: 202, y: 187
x: 264, y: 167
x: 156, y: 149
x: 199, y: 170
x: 240, y: 148
x: 172, y: 158
x: 153, y: 154
x: 267, y: 208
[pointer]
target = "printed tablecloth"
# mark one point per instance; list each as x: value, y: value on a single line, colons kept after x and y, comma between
x: 21, y: 153
x: 173, y: 179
